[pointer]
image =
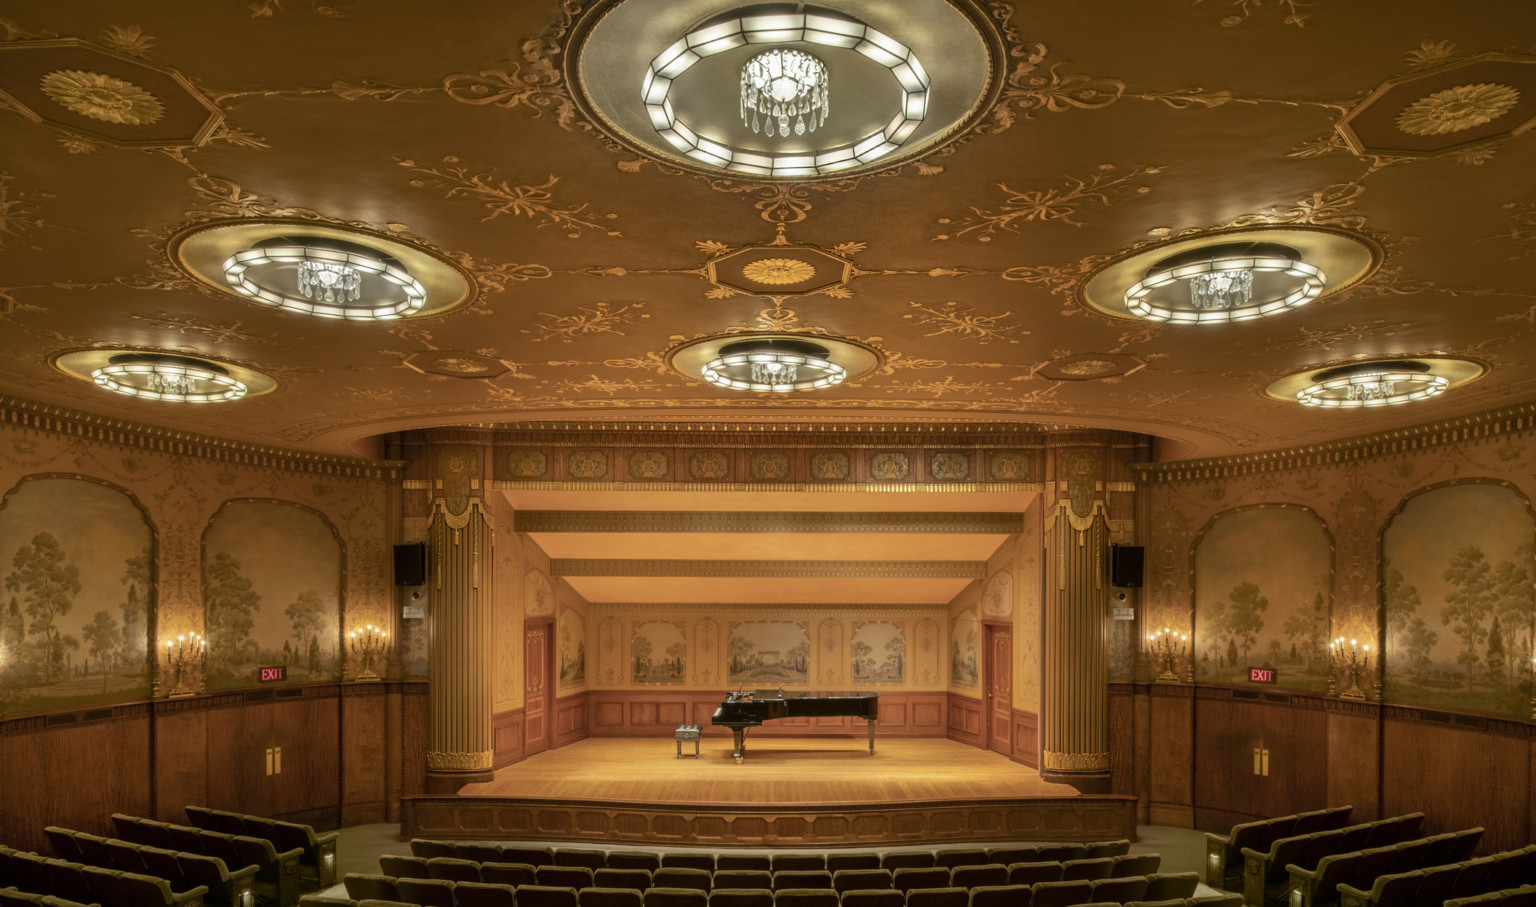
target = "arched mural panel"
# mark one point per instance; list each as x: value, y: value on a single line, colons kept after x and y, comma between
x: 272, y: 591
x: 573, y: 648
x: 879, y: 650
x: 1263, y: 580
x: 658, y: 652
x: 964, y: 652
x: 1457, y: 599
x: 769, y: 652
x: 78, y: 607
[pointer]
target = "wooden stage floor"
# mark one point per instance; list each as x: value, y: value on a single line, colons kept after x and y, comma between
x: 777, y: 770
x: 790, y: 792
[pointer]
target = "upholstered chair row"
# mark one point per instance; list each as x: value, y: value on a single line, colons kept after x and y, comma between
x: 1437, y: 884
x: 592, y: 858
x: 1265, y: 875
x: 453, y: 869
x: 1224, y: 853
x: 849, y: 888
x: 276, y: 876
x: 317, y: 857
x: 10, y: 897
x: 814, y: 897
x: 1360, y: 869
x: 1524, y: 896
x: 92, y: 885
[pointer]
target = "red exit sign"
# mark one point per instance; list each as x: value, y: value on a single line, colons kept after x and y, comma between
x: 268, y: 675
x: 1261, y: 675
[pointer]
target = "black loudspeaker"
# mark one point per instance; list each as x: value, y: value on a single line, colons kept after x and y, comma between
x: 411, y: 564
x: 1125, y: 563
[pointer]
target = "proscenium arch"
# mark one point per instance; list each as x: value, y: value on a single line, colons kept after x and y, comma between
x: 342, y: 562
x: 152, y: 608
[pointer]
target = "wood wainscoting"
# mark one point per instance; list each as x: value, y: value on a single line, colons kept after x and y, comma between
x: 508, y: 743
x: 571, y: 722
x: 967, y: 721
x: 1084, y: 818
x: 657, y: 713
x: 1026, y: 738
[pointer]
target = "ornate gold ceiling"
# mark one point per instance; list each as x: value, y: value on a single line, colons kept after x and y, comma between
x: 1117, y: 126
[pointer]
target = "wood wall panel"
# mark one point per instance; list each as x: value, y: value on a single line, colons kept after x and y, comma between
x: 181, y: 762
x: 1170, y: 792
x: 1122, y: 740
x: 1354, y: 761
x: 1226, y: 789
x: 965, y: 720
x: 307, y: 728
x: 415, y: 716
x: 1026, y: 738
x: 570, y: 723
x: 364, y: 791
x: 1459, y: 777
x: 657, y: 713
x: 81, y: 770
x: 507, y: 741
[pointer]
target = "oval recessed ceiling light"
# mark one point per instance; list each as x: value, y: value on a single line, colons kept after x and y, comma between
x: 1224, y: 283
x: 172, y: 379
x: 163, y: 377
x: 1225, y: 276
x: 325, y: 277
x: 773, y: 363
x: 1375, y: 383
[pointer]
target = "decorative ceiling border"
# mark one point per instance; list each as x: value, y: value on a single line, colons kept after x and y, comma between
x: 821, y: 434
x: 1520, y: 417
x: 824, y: 488
x: 770, y: 521
x: 767, y: 569
x: 60, y: 420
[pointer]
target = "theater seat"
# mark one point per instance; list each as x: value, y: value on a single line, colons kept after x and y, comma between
x: 1033, y: 873
x: 805, y: 897
x: 704, y: 861
x: 939, y: 897
x: 912, y: 859
x: 1139, y: 864
x: 546, y: 896
x: 508, y: 874
x: 581, y: 856
x: 750, y: 861
x: 577, y: 877
x: 1132, y: 888
x: 869, y: 897
x: 402, y: 867
x: 802, y: 878
x: 1061, y: 853
x: 1061, y: 894
x: 1001, y: 896
x: 484, y: 894
x: 361, y: 886
x: 609, y: 897
x: 837, y: 862
x: 681, y: 877
x: 533, y: 856
x: 1164, y: 886
x: 975, y: 876
x: 798, y: 862
x: 669, y: 897
x: 426, y: 848
x: 477, y: 852
x: 908, y: 878
x: 742, y: 878
x: 845, y: 880
x: 638, y: 879
x: 950, y: 857
x: 624, y: 859
x: 1090, y: 870
x: 741, y: 897
x: 1109, y: 848
x: 452, y: 869
x: 426, y: 892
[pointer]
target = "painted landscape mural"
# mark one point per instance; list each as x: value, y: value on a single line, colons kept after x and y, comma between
x: 1262, y: 597
x: 573, y: 649
x: 1457, y: 597
x: 964, y: 663
x: 77, y: 606
x: 769, y: 652
x: 272, y: 587
x: 659, y: 652
x: 879, y: 653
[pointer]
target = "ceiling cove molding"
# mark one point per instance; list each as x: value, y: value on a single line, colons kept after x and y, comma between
x: 824, y: 488
x: 1493, y: 423
x: 767, y: 569
x: 685, y: 521
x: 733, y: 434
x: 124, y: 433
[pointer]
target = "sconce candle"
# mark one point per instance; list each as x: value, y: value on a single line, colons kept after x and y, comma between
x: 1167, y: 646
x: 182, y: 655
x: 367, y: 645
x: 1352, y: 660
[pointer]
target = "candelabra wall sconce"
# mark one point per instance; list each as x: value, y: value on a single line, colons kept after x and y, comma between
x: 368, y: 646
x: 1349, y: 663
x: 185, y: 656
x: 1168, y: 647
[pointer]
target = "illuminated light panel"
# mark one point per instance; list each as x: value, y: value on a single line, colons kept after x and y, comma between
x: 1372, y: 384
x: 168, y: 379
x: 311, y: 297
x: 773, y: 366
x: 1221, y: 287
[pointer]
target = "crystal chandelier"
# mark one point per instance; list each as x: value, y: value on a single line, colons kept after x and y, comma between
x: 782, y: 84
x: 1221, y: 281
x: 773, y: 365
x: 1373, y: 384
x: 1368, y: 389
x: 323, y: 280
x: 173, y: 379
x: 1221, y: 290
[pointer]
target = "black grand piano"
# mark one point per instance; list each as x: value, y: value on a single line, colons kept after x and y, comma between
x: 742, y: 710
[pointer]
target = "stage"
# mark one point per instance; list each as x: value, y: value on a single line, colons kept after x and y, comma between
x: 788, y: 792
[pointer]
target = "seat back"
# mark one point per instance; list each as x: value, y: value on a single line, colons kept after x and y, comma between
x: 668, y: 897
x: 620, y: 859
x: 1273, y: 830
x: 742, y: 878
x: 638, y: 879
x: 741, y: 897
x: 1109, y: 848
x: 805, y: 897
x: 1396, y: 890
x: 704, y: 861
x: 508, y: 874
x: 533, y: 856
x: 911, y: 859
x: 1473, y: 878
x: 798, y: 862
x: 74, y: 881
x: 484, y: 894
x: 845, y: 880
x: 733, y: 861
x: 477, y: 853
x: 871, y: 897
x: 609, y: 897
x: 939, y: 897
x: 1011, y: 855
x: 1130, y: 888
x: 1061, y: 894
x: 163, y: 864
x: 577, y: 877
x: 950, y: 857
x: 364, y: 886
x: 126, y: 856
x: 801, y: 879
x: 62, y: 841
x: 426, y: 848
x: 1135, y: 864
x: 1090, y: 869
x: 910, y: 877
x: 1436, y: 885
x: 453, y: 869
x: 681, y: 877
x: 840, y: 861
x: 187, y: 840
x: 1164, y: 886
x: 1001, y: 896
x: 973, y: 876
x: 1464, y: 845
x: 546, y: 896
x: 1060, y: 853
x: 403, y: 867
x: 93, y: 850
x: 581, y: 856
x: 1034, y: 873
x: 426, y: 892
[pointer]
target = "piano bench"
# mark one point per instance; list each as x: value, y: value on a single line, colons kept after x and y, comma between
x: 684, y: 733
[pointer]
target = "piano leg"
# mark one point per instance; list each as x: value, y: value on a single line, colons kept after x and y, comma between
x: 871, y: 736
x: 741, y: 742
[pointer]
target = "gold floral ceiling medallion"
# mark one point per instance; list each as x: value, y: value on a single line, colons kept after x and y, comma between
x: 778, y: 271
x: 1457, y: 109
x: 102, y: 97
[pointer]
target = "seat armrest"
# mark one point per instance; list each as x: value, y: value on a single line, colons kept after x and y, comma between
x: 1349, y: 896
x: 192, y: 897
x: 326, y: 837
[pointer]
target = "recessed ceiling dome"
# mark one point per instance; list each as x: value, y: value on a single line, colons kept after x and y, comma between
x: 326, y: 277
x: 783, y: 91
x: 162, y: 376
x: 1376, y: 382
